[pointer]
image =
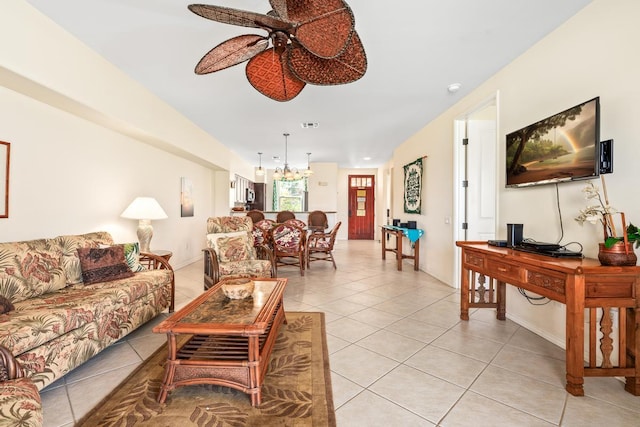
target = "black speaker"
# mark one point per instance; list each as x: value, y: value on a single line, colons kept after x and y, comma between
x: 606, y: 156
x: 514, y: 235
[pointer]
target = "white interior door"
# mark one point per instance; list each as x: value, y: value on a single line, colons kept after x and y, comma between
x: 476, y: 173
x: 481, y: 175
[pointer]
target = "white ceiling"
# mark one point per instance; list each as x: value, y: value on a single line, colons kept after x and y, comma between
x: 415, y: 49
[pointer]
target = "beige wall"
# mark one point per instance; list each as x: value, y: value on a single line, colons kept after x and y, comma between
x: 593, y: 54
x: 323, y: 187
x: 86, y: 139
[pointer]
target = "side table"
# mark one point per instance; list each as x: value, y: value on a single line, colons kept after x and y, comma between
x: 399, y: 232
x: 162, y: 253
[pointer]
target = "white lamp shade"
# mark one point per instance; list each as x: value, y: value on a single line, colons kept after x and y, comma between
x: 144, y: 208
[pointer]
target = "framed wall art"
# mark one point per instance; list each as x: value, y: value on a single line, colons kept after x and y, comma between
x: 5, y: 151
x: 186, y: 197
x: 413, y: 187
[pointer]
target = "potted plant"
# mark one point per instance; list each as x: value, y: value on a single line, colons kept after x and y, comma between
x: 615, y: 249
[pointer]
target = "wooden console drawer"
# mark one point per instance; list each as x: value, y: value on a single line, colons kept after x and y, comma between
x: 544, y: 279
x: 610, y: 287
x: 473, y: 259
x: 504, y: 271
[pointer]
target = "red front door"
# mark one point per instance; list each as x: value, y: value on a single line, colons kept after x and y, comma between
x: 361, y: 207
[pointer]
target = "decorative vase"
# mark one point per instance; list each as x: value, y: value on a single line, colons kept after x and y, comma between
x: 621, y: 253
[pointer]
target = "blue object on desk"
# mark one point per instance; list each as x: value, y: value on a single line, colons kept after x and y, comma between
x: 412, y: 233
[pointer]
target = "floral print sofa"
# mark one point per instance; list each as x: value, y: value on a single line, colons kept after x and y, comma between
x: 51, y: 321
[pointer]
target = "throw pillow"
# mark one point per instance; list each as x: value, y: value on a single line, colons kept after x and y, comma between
x: 132, y: 256
x: 30, y: 268
x: 212, y: 240
x: 5, y: 305
x: 70, y: 245
x: 243, y: 249
x: 103, y: 264
x: 237, y: 248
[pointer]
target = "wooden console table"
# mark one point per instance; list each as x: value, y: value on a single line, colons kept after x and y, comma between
x: 580, y: 284
x: 399, y: 232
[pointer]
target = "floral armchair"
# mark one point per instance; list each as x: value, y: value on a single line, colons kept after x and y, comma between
x: 231, y: 252
x: 288, y: 242
x: 320, y: 246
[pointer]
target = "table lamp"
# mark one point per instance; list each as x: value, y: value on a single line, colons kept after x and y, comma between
x: 144, y: 209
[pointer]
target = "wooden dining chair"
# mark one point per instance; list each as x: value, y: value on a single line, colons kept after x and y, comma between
x: 255, y: 215
x: 282, y: 216
x: 320, y: 246
x: 289, y: 243
x: 261, y: 230
x: 317, y: 221
x: 296, y: 222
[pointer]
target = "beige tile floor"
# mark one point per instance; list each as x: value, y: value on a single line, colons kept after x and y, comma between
x: 399, y: 355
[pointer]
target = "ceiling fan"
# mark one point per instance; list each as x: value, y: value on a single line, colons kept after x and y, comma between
x: 312, y: 41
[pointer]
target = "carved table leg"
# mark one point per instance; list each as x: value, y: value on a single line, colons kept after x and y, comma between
x: 501, y: 300
x: 575, y: 292
x: 633, y: 348
x: 464, y: 295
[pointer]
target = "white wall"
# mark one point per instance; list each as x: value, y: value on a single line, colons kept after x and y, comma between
x: 86, y: 139
x: 70, y: 176
x: 592, y: 54
x: 323, y: 188
x: 435, y: 141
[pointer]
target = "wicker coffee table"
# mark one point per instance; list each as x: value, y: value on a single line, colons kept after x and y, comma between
x: 230, y: 340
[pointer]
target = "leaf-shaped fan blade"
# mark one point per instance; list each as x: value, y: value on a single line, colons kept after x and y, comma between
x: 324, y: 26
x: 301, y: 11
x: 346, y: 68
x: 231, y: 52
x: 279, y: 7
x: 243, y: 18
x: 268, y: 74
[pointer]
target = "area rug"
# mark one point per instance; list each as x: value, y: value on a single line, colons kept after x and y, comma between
x: 296, y: 390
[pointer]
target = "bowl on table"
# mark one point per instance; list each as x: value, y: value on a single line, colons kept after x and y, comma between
x: 238, y: 288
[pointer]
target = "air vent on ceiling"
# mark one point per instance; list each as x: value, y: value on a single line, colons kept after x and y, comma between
x: 310, y: 125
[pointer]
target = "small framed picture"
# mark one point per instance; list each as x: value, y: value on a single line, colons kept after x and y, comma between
x: 186, y: 197
x: 4, y: 179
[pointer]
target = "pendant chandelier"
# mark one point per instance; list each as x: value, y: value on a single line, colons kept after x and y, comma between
x: 260, y: 171
x: 287, y: 173
x: 308, y: 172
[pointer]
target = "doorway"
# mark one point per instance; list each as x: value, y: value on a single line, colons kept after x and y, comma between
x: 476, y: 171
x: 361, y: 207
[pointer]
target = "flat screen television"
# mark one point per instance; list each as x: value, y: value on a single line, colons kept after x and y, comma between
x: 562, y: 147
